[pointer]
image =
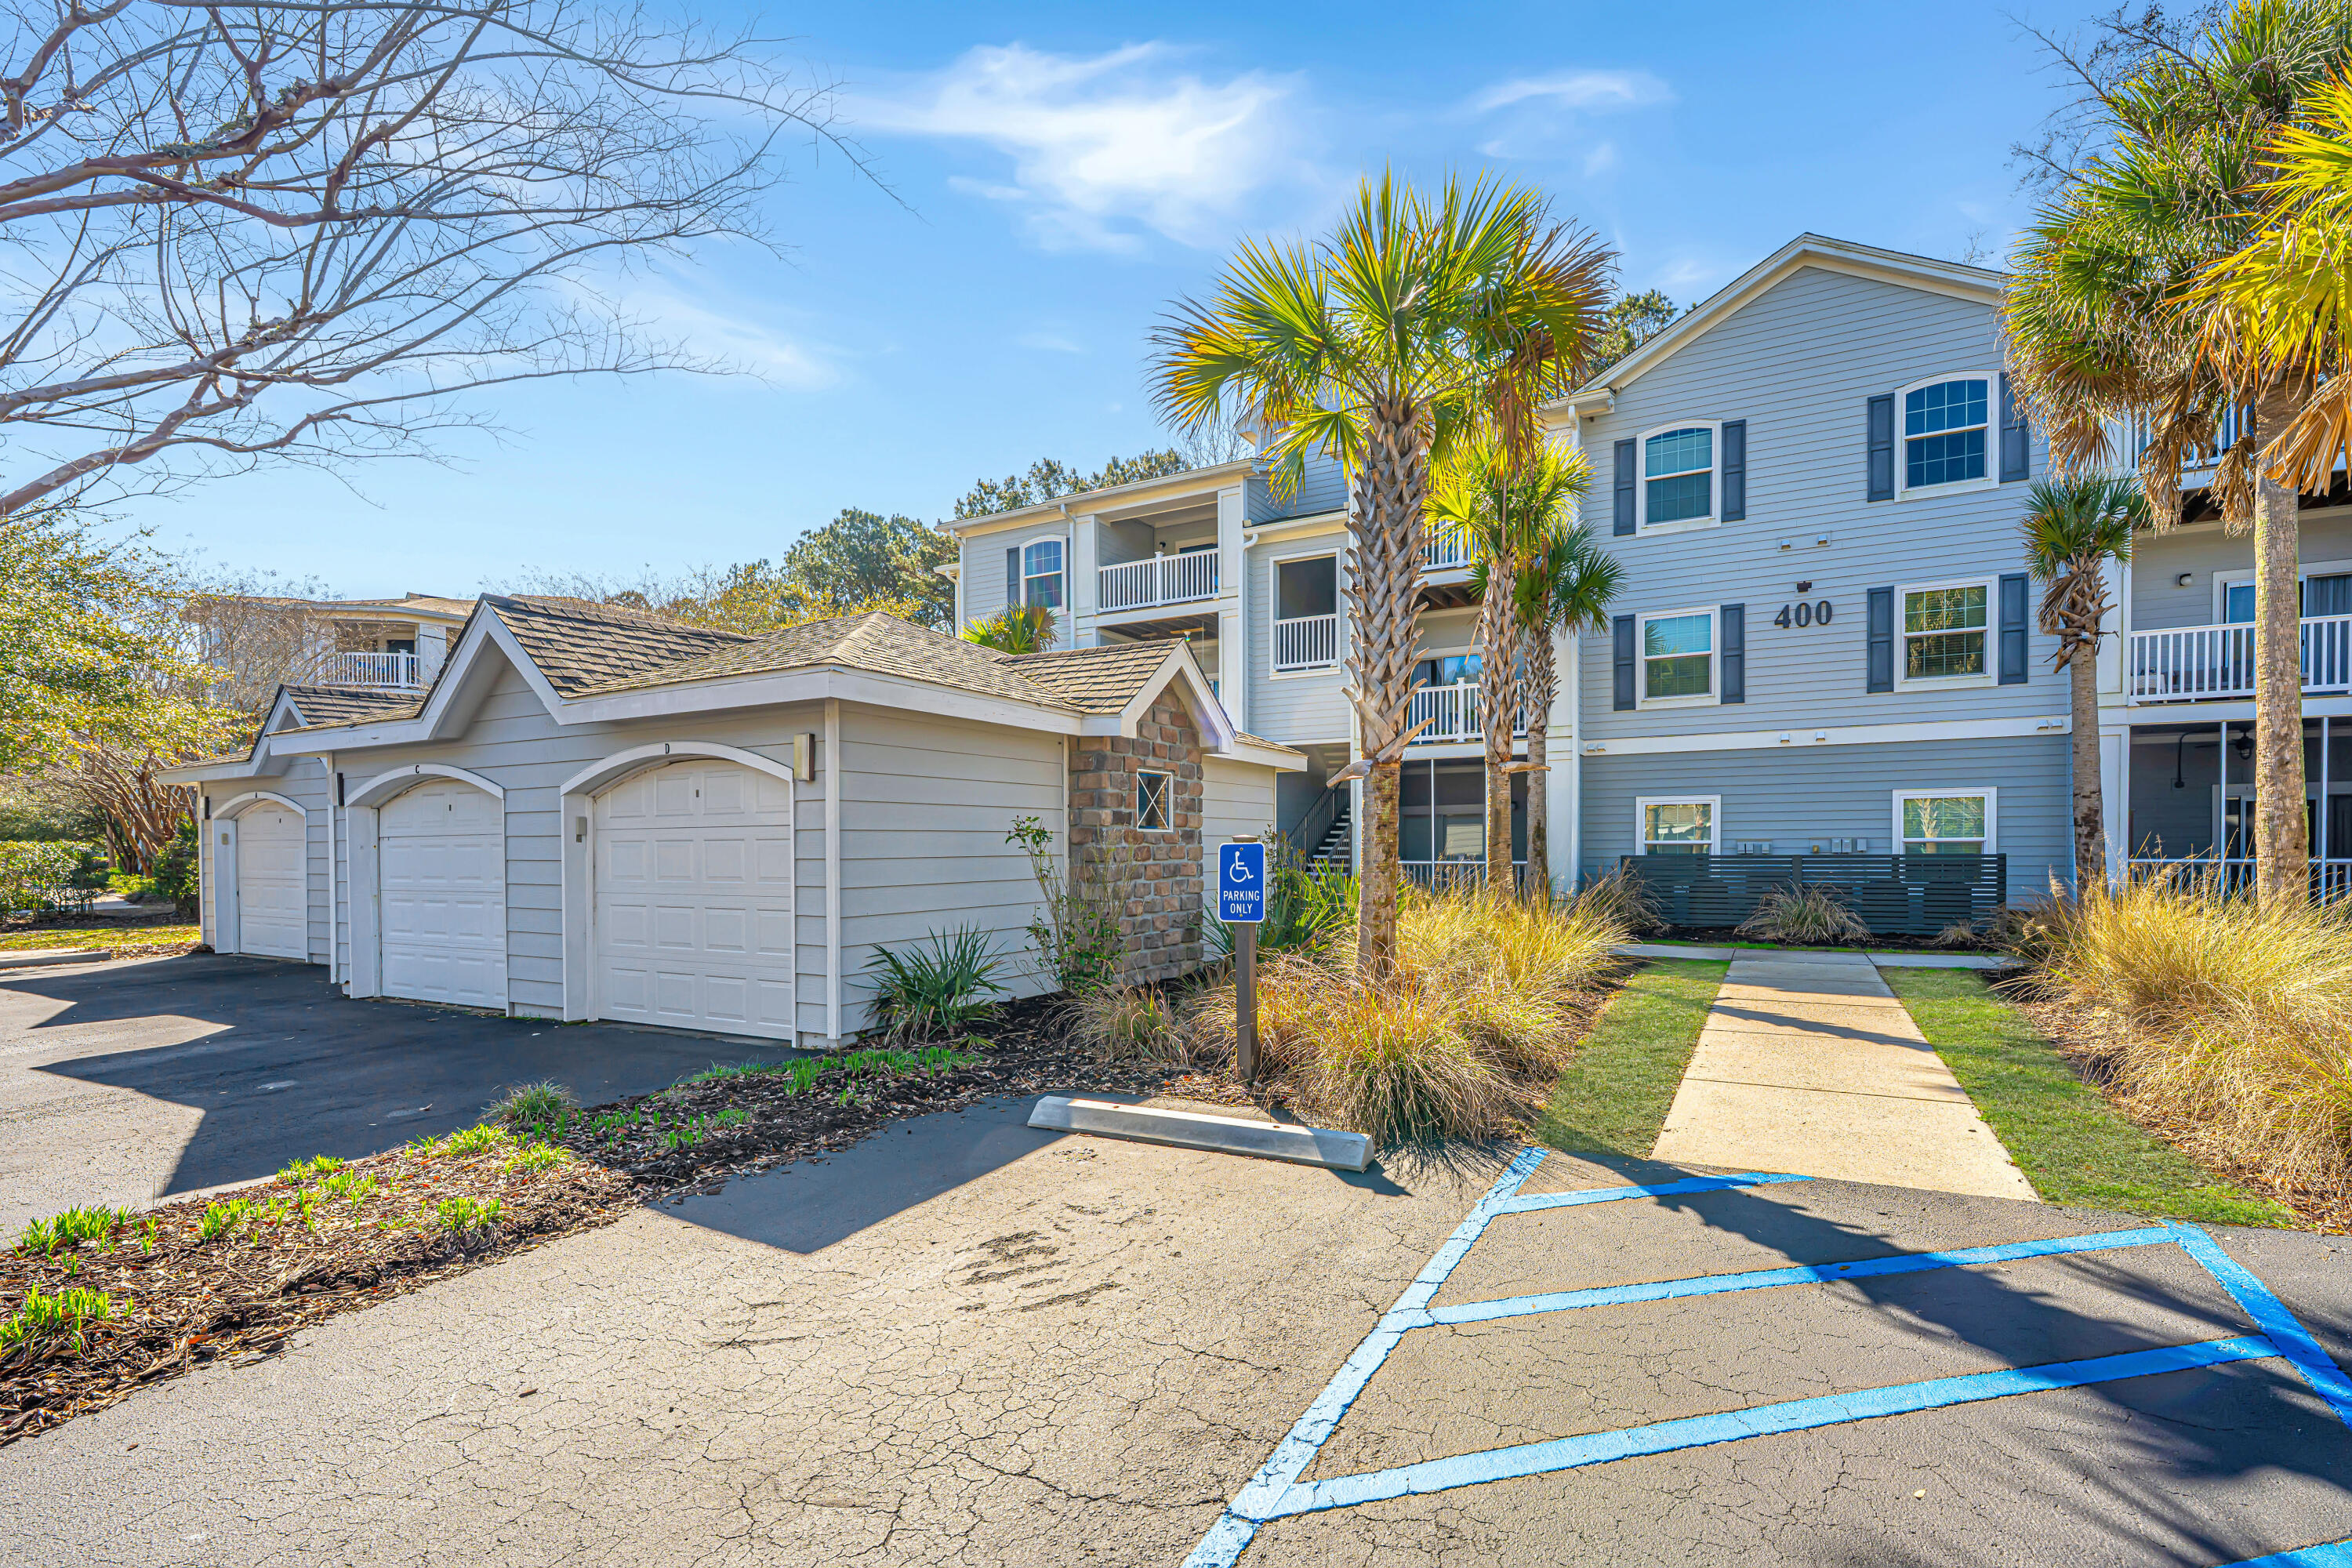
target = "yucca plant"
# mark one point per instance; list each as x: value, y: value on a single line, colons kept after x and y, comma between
x: 941, y: 985
x: 1307, y: 910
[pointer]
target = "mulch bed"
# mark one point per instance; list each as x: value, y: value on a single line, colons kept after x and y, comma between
x: 183, y: 1302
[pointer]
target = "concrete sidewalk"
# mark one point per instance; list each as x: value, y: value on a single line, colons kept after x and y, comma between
x: 1808, y: 1064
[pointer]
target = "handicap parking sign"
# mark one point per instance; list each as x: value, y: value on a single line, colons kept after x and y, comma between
x: 1241, y: 883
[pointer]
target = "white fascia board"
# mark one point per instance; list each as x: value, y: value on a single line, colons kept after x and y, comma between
x: 215, y: 774
x: 1216, y: 724
x: 812, y: 684
x: 1283, y: 528
x: 1209, y: 479
x: 1282, y: 759
x: 1957, y: 280
x: 1802, y: 737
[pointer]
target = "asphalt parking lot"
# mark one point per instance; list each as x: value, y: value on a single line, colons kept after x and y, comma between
x: 964, y: 1342
x: 124, y: 1082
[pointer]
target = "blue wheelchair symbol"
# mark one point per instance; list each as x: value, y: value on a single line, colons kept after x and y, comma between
x: 1241, y: 887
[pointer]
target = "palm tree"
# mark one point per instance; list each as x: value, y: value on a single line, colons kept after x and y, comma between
x: 1381, y: 345
x: 1564, y: 588
x: 2104, y: 325
x: 2073, y: 528
x: 1016, y: 628
x: 1512, y: 512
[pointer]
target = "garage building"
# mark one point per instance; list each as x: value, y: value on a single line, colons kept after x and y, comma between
x: 600, y: 814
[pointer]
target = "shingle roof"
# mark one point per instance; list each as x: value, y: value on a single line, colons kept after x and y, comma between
x: 1094, y: 679
x: 580, y: 646
x: 348, y: 705
x: 873, y: 640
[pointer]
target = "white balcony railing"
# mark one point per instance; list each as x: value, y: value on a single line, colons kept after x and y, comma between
x: 1453, y: 714
x: 2194, y: 664
x: 1307, y: 642
x: 1444, y: 549
x: 1446, y: 875
x: 2331, y: 879
x: 1162, y: 580
x: 395, y: 669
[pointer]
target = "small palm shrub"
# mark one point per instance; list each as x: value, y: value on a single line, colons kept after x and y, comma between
x: 1016, y: 628
x: 941, y: 985
x: 2232, y: 1019
x: 1810, y: 914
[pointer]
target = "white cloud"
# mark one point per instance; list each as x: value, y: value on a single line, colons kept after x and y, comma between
x: 1601, y: 160
x: 1595, y: 91
x: 1103, y: 145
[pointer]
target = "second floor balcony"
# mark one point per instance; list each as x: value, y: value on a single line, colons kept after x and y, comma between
x: 1181, y: 578
x: 1454, y: 715
x: 386, y: 669
x: 2204, y: 664
x: 1449, y: 549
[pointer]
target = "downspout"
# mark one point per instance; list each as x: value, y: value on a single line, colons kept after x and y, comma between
x: 831, y: 764
x: 334, y: 909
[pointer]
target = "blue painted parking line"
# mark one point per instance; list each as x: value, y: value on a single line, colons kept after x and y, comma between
x: 1766, y: 1278
x: 1276, y: 1492
x: 1764, y: 1420
x: 2332, y: 1554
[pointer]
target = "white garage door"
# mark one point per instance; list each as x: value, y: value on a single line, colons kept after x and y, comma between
x: 694, y: 900
x: 442, y: 853
x: 273, y: 904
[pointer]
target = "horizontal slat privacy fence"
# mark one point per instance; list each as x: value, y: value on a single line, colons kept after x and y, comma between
x: 1894, y: 895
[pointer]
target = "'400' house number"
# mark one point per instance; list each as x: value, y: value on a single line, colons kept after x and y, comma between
x: 1803, y: 614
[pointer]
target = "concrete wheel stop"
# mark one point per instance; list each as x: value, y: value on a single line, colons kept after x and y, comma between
x: 1190, y: 1130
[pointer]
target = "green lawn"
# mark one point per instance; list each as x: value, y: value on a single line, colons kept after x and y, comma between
x: 1613, y: 1097
x: 2070, y: 1143
x: 113, y: 935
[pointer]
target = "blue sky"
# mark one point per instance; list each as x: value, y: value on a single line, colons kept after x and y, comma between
x: 1061, y: 173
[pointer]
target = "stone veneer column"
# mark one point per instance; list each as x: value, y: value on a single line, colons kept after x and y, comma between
x: 1154, y: 878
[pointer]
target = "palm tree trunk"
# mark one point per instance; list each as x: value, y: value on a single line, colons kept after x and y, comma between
x: 1543, y: 677
x: 1388, y: 490
x: 2090, y: 835
x: 1497, y: 713
x: 2281, y: 844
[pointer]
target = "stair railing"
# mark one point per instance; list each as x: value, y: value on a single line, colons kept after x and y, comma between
x: 1307, y: 833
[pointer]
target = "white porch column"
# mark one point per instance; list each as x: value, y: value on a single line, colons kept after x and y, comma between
x: 1233, y: 666
x: 1560, y: 741
x: 2114, y: 800
x: 1085, y: 582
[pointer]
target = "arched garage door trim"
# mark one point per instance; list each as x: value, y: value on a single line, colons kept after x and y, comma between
x: 224, y: 836
x: 579, y: 794
x: 365, y: 819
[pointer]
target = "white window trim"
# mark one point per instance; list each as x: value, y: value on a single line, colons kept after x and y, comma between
x: 1992, y: 481
x: 1713, y: 695
x: 1714, y: 518
x: 1992, y: 585
x: 1714, y: 804
x: 2304, y: 573
x: 1170, y: 796
x: 1992, y: 812
x: 1274, y: 564
x: 1061, y: 571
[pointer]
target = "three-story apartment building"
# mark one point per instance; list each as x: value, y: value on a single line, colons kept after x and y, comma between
x: 1826, y: 640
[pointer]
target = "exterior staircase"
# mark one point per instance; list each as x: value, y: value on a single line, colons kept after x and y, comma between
x: 1335, y: 850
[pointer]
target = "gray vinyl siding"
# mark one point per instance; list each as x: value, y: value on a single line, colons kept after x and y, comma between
x: 1798, y: 364
x: 1323, y: 488
x: 1293, y: 709
x: 2157, y: 604
x: 983, y: 569
x: 1789, y: 798
x: 305, y: 783
x: 1237, y: 802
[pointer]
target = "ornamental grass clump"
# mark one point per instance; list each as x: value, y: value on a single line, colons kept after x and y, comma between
x: 1460, y: 1036
x: 2231, y: 1020
x: 1810, y: 914
x: 1125, y: 1022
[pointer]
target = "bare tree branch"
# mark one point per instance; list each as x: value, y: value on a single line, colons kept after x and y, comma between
x: 236, y: 232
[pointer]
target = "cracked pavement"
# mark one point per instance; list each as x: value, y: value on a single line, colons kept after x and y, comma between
x: 966, y: 1342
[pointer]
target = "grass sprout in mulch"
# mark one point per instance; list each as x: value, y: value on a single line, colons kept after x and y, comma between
x: 96, y: 1303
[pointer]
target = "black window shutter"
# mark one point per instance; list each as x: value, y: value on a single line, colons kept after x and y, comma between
x: 1624, y: 486
x: 1882, y: 448
x: 2016, y: 447
x: 1623, y: 630
x: 2012, y: 629
x: 1734, y: 652
x: 1734, y: 470
x: 1881, y: 664
x: 1012, y: 575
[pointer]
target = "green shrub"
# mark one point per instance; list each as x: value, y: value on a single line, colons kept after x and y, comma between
x: 47, y: 1319
x: 1307, y: 910
x: 1811, y: 914
x: 940, y: 986
x: 46, y: 877
x: 174, y: 874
